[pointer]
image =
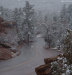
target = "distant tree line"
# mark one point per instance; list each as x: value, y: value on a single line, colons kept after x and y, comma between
x: 56, y: 27
x: 30, y: 21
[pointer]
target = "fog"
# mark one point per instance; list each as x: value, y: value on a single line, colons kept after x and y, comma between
x: 42, y: 5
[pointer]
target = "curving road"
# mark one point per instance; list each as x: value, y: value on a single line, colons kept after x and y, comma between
x: 30, y: 58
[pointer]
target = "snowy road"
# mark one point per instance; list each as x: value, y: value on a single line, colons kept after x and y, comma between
x: 30, y: 58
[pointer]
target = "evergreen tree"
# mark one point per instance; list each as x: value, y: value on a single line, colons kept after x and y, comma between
x: 28, y: 22
x: 17, y: 18
x: 49, y: 39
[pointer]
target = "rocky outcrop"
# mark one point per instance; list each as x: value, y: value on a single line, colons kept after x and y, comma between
x: 46, y: 68
x: 49, y: 60
x: 43, y: 70
x: 8, y: 52
x: 5, y: 54
x: 8, y: 39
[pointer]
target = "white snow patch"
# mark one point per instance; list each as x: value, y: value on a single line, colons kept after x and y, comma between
x: 67, y: 72
x: 38, y: 36
x: 63, y: 73
x: 54, y: 48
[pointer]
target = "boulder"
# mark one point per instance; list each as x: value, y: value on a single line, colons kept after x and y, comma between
x: 49, y: 60
x: 1, y: 20
x: 5, y: 54
x: 43, y: 70
x: 46, y: 69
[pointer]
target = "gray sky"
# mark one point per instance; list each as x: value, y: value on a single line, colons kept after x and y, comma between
x: 50, y: 5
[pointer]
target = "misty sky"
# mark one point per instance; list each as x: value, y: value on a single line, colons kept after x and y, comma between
x: 50, y: 5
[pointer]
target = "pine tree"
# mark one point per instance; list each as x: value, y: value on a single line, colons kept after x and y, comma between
x: 49, y: 39
x: 28, y: 22
x: 17, y: 17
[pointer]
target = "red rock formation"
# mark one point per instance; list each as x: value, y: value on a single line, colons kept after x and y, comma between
x: 5, y: 53
x: 6, y: 24
x: 46, y: 69
x: 5, y: 27
x: 43, y: 70
x: 49, y: 60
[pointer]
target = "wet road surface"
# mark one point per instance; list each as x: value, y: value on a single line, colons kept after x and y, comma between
x: 30, y: 58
